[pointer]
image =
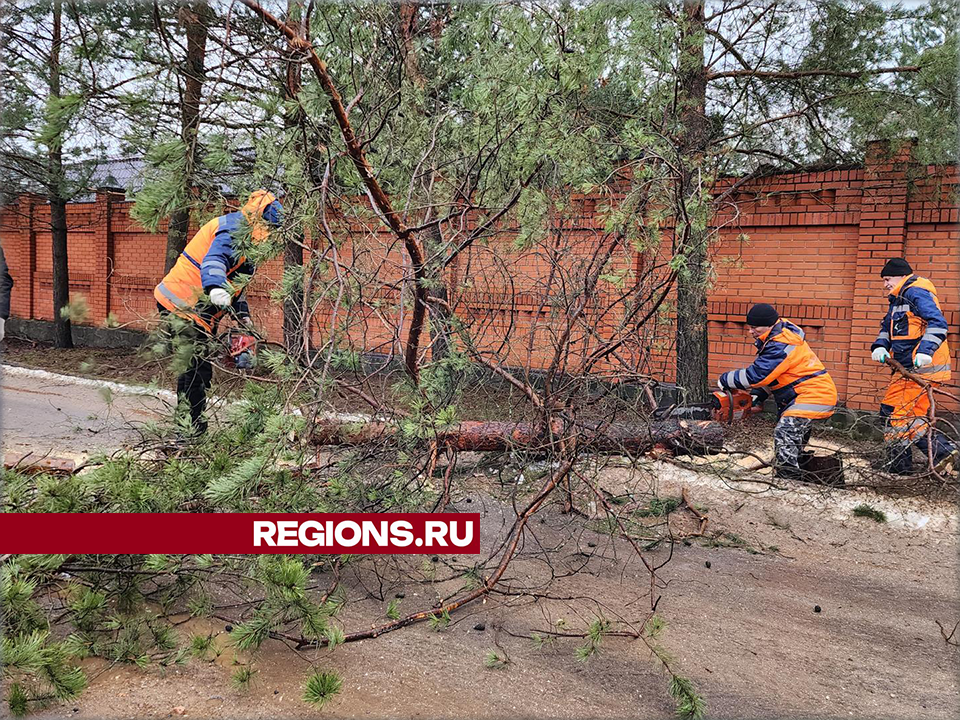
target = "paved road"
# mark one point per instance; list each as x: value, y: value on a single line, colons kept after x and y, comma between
x: 70, y: 417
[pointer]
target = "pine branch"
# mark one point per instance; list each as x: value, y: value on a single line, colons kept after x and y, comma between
x: 797, y: 74
x: 380, y: 199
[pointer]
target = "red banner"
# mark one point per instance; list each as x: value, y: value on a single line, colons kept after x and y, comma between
x: 240, y: 533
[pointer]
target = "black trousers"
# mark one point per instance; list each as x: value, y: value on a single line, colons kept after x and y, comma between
x: 192, y: 387
x: 193, y: 383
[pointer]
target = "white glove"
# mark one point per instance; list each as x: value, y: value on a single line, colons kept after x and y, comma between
x: 880, y: 355
x: 2, y: 322
x: 921, y: 360
x: 220, y: 297
x: 720, y: 384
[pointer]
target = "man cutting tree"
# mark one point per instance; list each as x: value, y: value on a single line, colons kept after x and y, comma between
x: 204, y: 284
x: 801, y: 385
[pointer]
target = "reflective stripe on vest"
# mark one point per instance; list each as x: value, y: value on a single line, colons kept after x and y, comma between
x: 807, y: 407
x: 168, y: 294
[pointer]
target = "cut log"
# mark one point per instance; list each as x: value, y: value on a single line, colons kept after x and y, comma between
x: 33, y: 463
x: 679, y: 436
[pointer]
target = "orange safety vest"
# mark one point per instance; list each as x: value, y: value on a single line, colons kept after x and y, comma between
x: 211, y: 259
x: 914, y: 324
x: 786, y: 365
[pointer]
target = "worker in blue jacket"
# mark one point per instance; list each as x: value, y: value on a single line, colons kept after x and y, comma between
x: 787, y: 367
x: 204, y: 284
x: 914, y: 333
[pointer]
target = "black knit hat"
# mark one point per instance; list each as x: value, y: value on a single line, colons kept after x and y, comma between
x: 762, y: 315
x: 896, y: 267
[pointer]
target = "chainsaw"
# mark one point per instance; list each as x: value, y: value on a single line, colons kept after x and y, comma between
x: 723, y: 406
x: 241, y: 350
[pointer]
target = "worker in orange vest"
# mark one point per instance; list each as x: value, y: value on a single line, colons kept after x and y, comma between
x: 201, y: 286
x: 914, y: 333
x: 801, y: 385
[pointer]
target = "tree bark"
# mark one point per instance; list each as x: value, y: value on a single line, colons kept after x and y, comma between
x: 294, y: 122
x: 437, y: 296
x: 436, y: 293
x: 408, y: 21
x: 194, y: 17
x: 692, y: 336
x: 63, y: 336
x: 678, y: 436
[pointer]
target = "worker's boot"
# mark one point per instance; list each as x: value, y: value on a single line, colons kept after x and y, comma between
x: 898, y: 460
x: 945, y: 453
x: 783, y: 471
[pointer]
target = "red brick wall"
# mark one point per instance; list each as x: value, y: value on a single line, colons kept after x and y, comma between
x: 811, y: 243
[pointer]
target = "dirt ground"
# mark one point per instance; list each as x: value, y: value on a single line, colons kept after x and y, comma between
x: 745, y: 629
x: 740, y: 605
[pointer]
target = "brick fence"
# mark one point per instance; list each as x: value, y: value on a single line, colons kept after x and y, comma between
x: 811, y: 243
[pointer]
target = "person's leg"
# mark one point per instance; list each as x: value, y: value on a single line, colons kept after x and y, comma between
x: 943, y: 448
x: 193, y: 384
x: 789, y: 438
x: 806, y: 455
x: 904, y: 408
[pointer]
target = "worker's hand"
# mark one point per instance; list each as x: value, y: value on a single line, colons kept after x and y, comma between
x: 220, y: 297
x: 246, y: 321
x: 880, y: 355
x: 720, y: 384
x: 922, y: 360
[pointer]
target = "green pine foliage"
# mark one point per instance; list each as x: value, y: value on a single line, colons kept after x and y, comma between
x: 37, y: 671
x: 690, y: 704
x: 516, y: 101
x: 495, y: 660
x: 596, y: 631
x: 321, y: 687
x: 242, y: 677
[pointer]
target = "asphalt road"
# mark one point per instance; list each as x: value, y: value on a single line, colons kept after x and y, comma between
x: 70, y: 417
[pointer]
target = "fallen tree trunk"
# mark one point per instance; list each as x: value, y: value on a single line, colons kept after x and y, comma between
x: 678, y: 436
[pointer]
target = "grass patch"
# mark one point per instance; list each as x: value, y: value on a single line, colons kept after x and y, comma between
x: 729, y: 540
x: 660, y: 507
x: 868, y: 511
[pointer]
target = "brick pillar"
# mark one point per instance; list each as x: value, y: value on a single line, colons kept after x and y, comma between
x: 103, y: 257
x: 21, y: 257
x: 883, y: 224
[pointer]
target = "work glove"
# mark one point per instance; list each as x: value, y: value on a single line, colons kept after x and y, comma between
x: 880, y: 355
x: 720, y: 384
x: 220, y: 297
x: 759, y: 397
x: 2, y: 323
x: 922, y: 360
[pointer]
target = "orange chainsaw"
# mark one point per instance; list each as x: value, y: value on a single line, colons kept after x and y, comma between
x: 723, y: 406
x: 241, y: 350
x: 733, y: 405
